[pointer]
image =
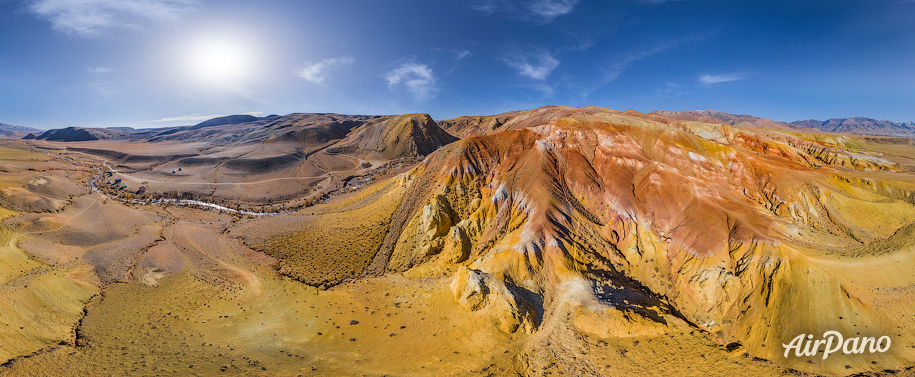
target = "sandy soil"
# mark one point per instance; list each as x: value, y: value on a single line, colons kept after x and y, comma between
x: 593, y: 242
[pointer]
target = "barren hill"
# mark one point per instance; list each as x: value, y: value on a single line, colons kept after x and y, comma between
x: 410, y: 135
x: 70, y: 134
x: 220, y: 121
x: 307, y: 130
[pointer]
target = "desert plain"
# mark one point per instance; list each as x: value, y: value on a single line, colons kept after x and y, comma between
x: 553, y: 241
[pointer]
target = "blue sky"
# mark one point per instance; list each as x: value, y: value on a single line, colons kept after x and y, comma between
x: 153, y: 63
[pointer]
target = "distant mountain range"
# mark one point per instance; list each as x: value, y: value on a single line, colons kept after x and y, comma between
x: 8, y: 130
x: 861, y: 126
x: 462, y: 126
x: 712, y: 116
x: 856, y: 125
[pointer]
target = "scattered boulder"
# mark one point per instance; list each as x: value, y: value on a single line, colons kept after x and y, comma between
x: 434, y: 223
x: 476, y: 290
x: 457, y: 246
x: 468, y: 288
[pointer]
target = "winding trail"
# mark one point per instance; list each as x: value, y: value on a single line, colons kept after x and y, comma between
x: 62, y: 225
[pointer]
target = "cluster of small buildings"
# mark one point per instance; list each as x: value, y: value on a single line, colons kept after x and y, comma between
x: 119, y: 184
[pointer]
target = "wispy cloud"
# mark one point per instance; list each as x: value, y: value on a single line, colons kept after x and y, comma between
x: 718, y: 79
x: 583, y: 41
x: 418, y: 79
x: 670, y: 90
x: 613, y: 70
x: 462, y: 54
x: 536, y: 65
x: 91, y: 18
x: 548, y: 91
x: 537, y: 10
x: 550, y: 9
x: 98, y: 70
x: 103, y: 88
x: 316, y: 72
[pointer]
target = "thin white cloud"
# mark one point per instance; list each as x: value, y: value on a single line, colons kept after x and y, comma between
x: 550, y: 9
x: 670, y: 90
x: 525, y: 10
x: 583, y: 41
x: 547, y: 90
x: 316, y: 72
x: 462, y: 54
x: 537, y: 65
x: 613, y: 70
x: 103, y: 88
x: 98, y: 70
x: 418, y: 79
x: 91, y: 18
x: 718, y: 79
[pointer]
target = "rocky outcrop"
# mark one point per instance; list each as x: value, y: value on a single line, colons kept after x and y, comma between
x: 425, y: 235
x: 457, y: 246
x: 469, y: 289
x: 476, y: 290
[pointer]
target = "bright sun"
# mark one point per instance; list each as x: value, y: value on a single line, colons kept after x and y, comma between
x: 219, y: 60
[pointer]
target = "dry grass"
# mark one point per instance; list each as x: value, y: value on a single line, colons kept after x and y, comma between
x: 327, y: 243
x: 187, y: 326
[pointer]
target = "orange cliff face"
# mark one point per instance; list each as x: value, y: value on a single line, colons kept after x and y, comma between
x: 620, y: 224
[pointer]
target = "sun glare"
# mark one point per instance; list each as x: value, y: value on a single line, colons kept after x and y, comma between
x: 219, y: 60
